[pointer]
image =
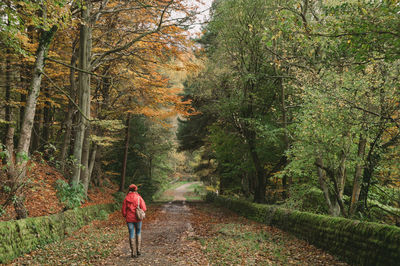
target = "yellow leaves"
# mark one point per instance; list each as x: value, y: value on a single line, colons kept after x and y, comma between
x: 111, y: 173
x: 52, y: 53
x: 99, y: 49
x: 22, y: 38
x: 104, y: 141
x: 111, y: 125
x: 106, y: 162
x: 21, y: 91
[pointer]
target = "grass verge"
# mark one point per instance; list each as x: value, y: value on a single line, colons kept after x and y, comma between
x: 86, y: 246
x: 197, y: 193
x: 238, y: 244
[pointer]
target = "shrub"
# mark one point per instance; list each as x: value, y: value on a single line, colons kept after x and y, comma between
x: 72, y: 196
x: 305, y: 197
x: 119, y: 197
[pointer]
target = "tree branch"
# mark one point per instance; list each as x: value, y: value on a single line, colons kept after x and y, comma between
x: 68, y: 96
x: 138, y: 38
x: 76, y: 68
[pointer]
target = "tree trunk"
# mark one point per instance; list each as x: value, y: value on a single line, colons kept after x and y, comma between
x: 125, y: 159
x: 26, y: 74
x: 85, y: 158
x: 286, y: 182
x: 10, y: 148
x: 88, y: 170
x: 92, y: 161
x: 84, y: 90
x: 333, y: 208
x: 357, y: 175
x: 27, y: 124
x: 71, y: 108
x: 22, y: 108
x: 36, y: 130
x: 9, y: 161
x: 371, y: 162
x: 46, y: 118
x: 67, y: 138
x: 8, y: 115
x: 19, y: 206
x: 260, y: 179
x: 245, y: 185
x: 341, y: 180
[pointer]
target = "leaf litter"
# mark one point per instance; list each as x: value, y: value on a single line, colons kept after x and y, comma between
x: 180, y: 233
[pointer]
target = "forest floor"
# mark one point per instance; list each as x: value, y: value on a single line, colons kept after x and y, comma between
x: 41, y: 194
x: 181, y: 233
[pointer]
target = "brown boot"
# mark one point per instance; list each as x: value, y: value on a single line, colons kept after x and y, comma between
x: 139, y: 244
x: 133, y: 255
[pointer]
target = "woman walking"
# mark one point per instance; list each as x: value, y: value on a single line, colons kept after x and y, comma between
x: 132, y: 201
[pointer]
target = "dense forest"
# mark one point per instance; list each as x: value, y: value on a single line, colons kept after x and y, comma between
x: 289, y: 102
x: 91, y: 88
x: 298, y: 104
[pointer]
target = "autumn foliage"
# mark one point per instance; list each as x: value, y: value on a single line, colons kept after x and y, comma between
x: 97, y: 64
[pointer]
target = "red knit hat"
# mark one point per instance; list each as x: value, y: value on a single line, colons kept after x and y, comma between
x: 133, y: 186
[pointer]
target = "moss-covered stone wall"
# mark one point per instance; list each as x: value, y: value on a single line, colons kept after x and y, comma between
x: 22, y: 236
x: 359, y: 243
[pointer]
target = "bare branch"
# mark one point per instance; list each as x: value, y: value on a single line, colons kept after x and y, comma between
x: 76, y: 68
x: 138, y: 38
x: 68, y: 96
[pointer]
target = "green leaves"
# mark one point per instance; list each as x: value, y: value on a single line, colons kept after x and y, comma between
x: 17, y: 16
x: 71, y: 195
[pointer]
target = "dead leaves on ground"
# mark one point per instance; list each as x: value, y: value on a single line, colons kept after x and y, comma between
x: 229, y: 239
x: 201, y: 234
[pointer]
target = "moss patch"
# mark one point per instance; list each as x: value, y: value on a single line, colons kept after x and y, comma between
x: 22, y: 236
x: 356, y: 242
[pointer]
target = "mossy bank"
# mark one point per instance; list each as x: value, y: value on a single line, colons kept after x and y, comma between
x: 359, y: 243
x: 22, y: 236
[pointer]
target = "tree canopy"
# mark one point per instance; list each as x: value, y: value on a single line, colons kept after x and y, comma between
x: 296, y: 95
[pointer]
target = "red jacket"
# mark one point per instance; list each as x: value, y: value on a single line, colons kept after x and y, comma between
x: 129, y: 206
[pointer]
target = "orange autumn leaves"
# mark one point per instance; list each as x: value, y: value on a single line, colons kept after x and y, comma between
x: 137, y: 80
x: 141, y: 83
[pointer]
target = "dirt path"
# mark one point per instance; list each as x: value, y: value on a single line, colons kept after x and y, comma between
x: 166, y: 240
x: 181, y: 233
x: 167, y: 237
x: 179, y: 192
